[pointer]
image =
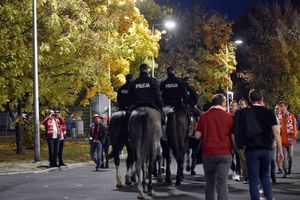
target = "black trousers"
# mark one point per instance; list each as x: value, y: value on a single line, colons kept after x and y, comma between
x: 53, y: 145
x: 60, y: 151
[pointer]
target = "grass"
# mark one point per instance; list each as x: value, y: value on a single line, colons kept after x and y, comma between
x: 74, y: 151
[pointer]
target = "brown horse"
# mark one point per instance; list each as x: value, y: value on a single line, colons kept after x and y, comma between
x: 118, y: 129
x: 177, y: 137
x: 144, y: 136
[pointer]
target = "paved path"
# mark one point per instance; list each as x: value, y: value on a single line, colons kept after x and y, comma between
x: 83, y: 182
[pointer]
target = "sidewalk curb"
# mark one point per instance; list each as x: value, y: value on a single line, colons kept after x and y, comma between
x: 70, y: 166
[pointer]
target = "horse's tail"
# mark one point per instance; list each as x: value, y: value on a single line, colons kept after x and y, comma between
x: 144, y: 148
x: 171, y: 133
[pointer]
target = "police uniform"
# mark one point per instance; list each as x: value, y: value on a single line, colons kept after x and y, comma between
x: 144, y: 92
x: 174, y: 91
x: 123, y: 98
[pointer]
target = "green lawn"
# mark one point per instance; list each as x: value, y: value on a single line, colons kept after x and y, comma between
x: 74, y: 151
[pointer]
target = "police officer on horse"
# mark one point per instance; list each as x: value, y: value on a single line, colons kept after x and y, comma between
x: 174, y: 91
x: 123, y: 98
x: 144, y: 90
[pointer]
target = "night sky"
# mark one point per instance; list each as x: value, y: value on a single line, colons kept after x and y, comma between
x: 234, y: 9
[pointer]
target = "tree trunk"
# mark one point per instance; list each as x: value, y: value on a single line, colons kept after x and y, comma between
x: 20, y: 131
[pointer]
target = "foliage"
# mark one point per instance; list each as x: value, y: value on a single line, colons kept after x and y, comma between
x: 201, y: 49
x: 271, y: 58
x: 83, y: 45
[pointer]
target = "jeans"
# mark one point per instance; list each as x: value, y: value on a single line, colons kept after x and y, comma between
x: 60, y: 151
x: 53, y: 150
x: 216, y: 170
x: 288, y: 159
x: 258, y: 163
x: 273, y: 165
x: 96, y: 146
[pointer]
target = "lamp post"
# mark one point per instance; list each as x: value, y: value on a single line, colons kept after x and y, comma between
x: 168, y: 25
x: 230, y: 93
x: 36, y: 87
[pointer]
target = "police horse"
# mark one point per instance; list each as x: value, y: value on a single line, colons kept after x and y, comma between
x: 177, y: 137
x: 145, y: 132
x: 118, y: 129
x: 193, y: 147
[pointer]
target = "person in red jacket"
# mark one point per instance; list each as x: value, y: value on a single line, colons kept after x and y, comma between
x: 62, y: 129
x: 53, y: 132
x: 215, y: 129
x: 289, y: 134
x: 98, y: 132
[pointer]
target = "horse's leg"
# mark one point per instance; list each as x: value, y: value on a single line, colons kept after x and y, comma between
x: 129, y: 177
x: 188, y: 167
x: 154, y: 170
x: 152, y: 162
x: 179, y: 175
x: 106, y: 156
x: 144, y: 171
x: 194, y: 157
x: 140, y: 187
x: 166, y: 155
x: 117, y: 164
x: 159, y: 159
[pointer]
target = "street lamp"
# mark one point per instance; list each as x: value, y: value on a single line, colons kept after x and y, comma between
x: 230, y: 93
x: 169, y: 25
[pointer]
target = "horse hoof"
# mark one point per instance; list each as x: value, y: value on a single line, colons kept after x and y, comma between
x: 145, y: 188
x: 119, y: 185
x: 168, y: 181
x: 133, y: 179
x: 128, y: 182
x: 151, y: 192
x: 178, y: 183
x: 159, y: 179
x: 193, y: 173
x: 187, y: 168
x: 140, y: 196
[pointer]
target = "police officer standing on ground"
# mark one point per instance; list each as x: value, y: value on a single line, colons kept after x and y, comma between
x: 144, y: 90
x: 173, y: 90
x: 123, y: 98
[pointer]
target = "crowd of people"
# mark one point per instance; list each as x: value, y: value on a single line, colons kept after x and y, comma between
x: 253, y: 141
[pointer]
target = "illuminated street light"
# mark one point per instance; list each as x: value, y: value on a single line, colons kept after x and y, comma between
x: 229, y: 93
x: 169, y: 25
x: 238, y: 42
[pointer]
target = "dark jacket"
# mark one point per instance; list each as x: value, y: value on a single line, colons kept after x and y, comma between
x: 123, y: 98
x: 192, y: 95
x: 144, y: 92
x: 251, y: 130
x: 173, y: 91
x: 98, y: 132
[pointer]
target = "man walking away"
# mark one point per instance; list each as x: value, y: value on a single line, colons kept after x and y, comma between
x: 215, y: 128
x: 255, y: 129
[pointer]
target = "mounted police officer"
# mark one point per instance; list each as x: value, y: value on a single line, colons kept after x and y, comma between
x: 123, y: 98
x: 144, y: 90
x: 174, y: 91
x: 192, y: 97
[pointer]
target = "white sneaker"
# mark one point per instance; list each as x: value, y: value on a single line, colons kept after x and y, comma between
x: 233, y: 176
x: 237, y: 178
